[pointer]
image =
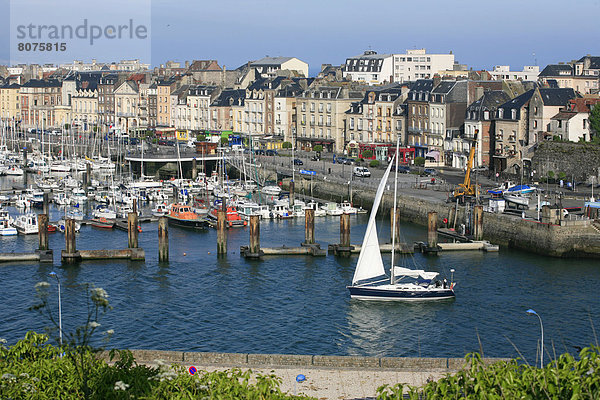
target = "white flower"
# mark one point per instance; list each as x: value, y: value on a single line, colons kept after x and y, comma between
x: 24, y: 375
x: 3, y: 341
x: 99, y: 296
x: 110, y: 332
x: 42, y: 285
x: 120, y: 385
x: 93, y: 325
x: 9, y: 377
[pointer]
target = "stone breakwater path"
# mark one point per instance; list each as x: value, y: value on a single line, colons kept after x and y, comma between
x: 327, y: 377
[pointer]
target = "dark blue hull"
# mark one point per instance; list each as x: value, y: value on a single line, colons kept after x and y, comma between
x: 374, y: 293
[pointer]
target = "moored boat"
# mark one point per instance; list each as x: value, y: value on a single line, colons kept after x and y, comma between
x: 102, y: 222
x: 182, y: 215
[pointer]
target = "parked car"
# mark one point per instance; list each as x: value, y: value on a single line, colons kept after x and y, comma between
x: 340, y: 160
x: 361, y: 171
x: 430, y: 171
x: 298, y: 161
x: 271, y: 153
x: 404, y: 169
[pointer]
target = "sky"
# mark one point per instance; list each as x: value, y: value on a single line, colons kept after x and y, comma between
x: 480, y: 34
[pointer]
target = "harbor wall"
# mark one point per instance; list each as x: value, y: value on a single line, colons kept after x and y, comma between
x: 327, y: 377
x: 570, y: 239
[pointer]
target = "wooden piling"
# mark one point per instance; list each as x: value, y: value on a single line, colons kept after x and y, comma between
x: 345, y: 230
x: 478, y: 222
x: 309, y: 226
x: 254, y: 235
x: 163, y: 240
x: 132, y: 230
x: 194, y: 169
x: 291, y: 194
x: 395, y: 235
x: 134, y: 207
x: 70, y: 246
x: 43, y: 231
x: 432, y: 235
x: 88, y: 174
x: 221, y: 232
x: 24, y: 158
x: 46, y: 204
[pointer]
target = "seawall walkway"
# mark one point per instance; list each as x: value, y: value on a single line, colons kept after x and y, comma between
x: 327, y: 377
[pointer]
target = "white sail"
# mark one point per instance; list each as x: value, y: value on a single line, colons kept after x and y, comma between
x: 370, y: 264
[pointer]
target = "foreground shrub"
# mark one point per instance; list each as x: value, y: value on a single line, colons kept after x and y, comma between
x: 33, y: 369
x: 564, y: 378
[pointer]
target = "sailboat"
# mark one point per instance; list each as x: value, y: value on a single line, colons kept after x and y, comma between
x: 370, y: 266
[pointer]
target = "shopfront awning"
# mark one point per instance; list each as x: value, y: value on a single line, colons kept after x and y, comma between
x: 433, y: 154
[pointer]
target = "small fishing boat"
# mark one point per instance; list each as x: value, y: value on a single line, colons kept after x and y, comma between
x: 103, y: 223
x: 26, y: 224
x: 5, y: 224
x: 62, y: 224
x: 160, y: 210
x: 232, y: 218
x: 271, y: 190
x: 183, y: 216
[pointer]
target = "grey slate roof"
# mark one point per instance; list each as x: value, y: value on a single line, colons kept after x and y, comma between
x: 516, y: 104
x: 271, y: 61
x: 557, y: 97
x: 557, y: 70
x: 230, y: 97
x: 490, y: 101
x: 594, y: 61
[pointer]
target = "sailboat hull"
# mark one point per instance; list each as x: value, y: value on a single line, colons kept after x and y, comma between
x: 379, y: 294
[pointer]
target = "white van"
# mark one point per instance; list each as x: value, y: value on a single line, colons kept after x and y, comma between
x: 361, y: 171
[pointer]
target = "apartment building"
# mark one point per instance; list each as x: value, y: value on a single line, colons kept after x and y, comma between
x: 321, y: 115
x: 417, y: 64
x: 10, y: 107
x: 370, y: 68
x: 38, y: 99
x: 84, y: 107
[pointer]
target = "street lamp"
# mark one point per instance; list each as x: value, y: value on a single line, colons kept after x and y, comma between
x: 54, y: 275
x: 531, y: 312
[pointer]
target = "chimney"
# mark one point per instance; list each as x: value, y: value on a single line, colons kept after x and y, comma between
x: 187, y: 64
x: 436, y: 80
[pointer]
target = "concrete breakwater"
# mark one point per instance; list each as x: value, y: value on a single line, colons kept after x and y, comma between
x: 567, y: 239
x: 327, y: 377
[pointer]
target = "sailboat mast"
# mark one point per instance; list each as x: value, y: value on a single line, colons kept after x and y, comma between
x: 392, y: 277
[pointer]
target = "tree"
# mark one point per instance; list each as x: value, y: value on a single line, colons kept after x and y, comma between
x: 318, y: 148
x: 420, y: 161
x: 374, y: 163
x: 200, y: 138
x: 595, y: 120
x: 224, y: 141
x: 367, y: 154
x: 286, y: 145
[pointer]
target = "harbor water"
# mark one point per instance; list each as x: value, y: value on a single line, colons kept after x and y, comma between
x: 299, y: 304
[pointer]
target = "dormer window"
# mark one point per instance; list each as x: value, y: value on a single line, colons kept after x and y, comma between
x: 513, y: 114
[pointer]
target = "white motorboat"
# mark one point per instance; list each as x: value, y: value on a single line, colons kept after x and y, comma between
x: 271, y: 190
x: 347, y: 208
x: 60, y: 167
x: 26, y: 224
x: 517, y: 198
x: 6, y: 228
x: 22, y: 202
x: 160, y: 210
x: 282, y: 211
x: 332, y: 209
x: 14, y: 170
x: 104, y: 212
x: 313, y: 205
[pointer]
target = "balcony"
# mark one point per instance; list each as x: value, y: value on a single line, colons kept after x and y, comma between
x: 512, y: 138
x: 126, y: 115
x: 499, y: 138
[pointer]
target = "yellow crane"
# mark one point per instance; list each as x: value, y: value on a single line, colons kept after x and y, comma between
x: 467, y: 189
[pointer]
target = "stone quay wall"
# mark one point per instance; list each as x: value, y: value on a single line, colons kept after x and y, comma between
x: 566, y: 240
x: 576, y: 160
x: 327, y: 377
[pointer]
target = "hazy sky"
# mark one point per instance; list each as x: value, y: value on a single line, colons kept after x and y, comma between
x: 481, y: 34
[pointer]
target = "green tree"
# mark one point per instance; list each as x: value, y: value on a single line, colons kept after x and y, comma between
x: 367, y: 154
x: 595, y: 120
x: 224, y: 141
x: 419, y: 161
x: 286, y: 145
x: 374, y: 163
x: 318, y: 148
x: 200, y: 138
